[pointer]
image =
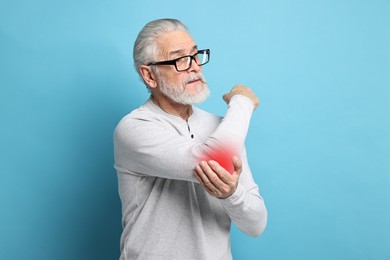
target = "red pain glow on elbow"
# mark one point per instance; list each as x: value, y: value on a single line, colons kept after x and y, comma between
x: 223, y: 156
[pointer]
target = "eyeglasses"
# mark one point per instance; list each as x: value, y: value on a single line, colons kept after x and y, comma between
x: 184, y: 63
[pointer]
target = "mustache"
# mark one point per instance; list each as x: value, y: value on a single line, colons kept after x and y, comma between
x: 196, y: 76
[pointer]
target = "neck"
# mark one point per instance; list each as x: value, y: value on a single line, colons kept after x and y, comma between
x: 171, y: 107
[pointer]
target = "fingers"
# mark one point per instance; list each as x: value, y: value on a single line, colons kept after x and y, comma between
x: 242, y: 90
x: 221, y: 172
x: 217, y: 181
x: 227, y: 98
x: 209, y: 180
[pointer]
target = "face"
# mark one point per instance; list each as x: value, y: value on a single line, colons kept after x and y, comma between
x: 185, y: 87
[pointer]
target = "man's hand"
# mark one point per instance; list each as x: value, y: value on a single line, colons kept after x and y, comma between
x: 216, y: 180
x: 242, y: 90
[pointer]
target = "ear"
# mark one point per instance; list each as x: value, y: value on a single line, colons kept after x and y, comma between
x: 148, y: 76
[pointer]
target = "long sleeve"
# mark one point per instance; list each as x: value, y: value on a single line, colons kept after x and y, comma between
x: 245, y: 206
x: 152, y: 143
x: 166, y: 213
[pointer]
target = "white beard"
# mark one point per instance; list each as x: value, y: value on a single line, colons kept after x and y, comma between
x: 179, y: 93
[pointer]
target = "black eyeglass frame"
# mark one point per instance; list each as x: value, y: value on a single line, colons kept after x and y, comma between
x: 173, y: 62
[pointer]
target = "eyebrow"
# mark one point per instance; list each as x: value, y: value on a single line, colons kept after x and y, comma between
x: 181, y: 51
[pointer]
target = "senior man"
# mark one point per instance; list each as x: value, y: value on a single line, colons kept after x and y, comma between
x: 183, y: 173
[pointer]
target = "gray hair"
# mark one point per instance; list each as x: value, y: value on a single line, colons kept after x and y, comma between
x: 145, y: 46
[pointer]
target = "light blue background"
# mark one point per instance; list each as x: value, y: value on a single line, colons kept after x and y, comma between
x: 319, y: 144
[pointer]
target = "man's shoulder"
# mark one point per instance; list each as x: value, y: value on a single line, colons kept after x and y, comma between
x: 138, y: 116
x: 133, y: 118
x: 144, y: 112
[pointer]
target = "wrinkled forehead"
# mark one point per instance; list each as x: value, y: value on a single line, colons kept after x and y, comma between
x: 174, y: 44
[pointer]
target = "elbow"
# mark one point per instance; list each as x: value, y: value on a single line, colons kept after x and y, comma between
x: 259, y: 225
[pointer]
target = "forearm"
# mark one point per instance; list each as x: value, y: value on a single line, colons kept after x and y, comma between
x: 237, y: 191
x: 245, y: 206
x: 234, y: 126
x: 247, y: 210
x: 147, y: 146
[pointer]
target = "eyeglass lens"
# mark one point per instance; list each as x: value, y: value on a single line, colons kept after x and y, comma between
x: 185, y: 62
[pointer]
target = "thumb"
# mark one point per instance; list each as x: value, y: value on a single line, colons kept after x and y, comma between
x: 237, y: 163
x: 227, y: 98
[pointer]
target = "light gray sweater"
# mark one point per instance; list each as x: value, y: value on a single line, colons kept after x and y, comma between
x: 166, y: 214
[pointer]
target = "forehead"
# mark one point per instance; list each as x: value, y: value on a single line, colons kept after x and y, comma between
x: 175, y: 43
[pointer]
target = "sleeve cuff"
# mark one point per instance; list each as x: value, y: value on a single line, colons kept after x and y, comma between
x: 235, y: 198
x: 243, y: 99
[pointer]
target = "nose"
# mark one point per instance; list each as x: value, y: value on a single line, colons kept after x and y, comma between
x: 194, y: 66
